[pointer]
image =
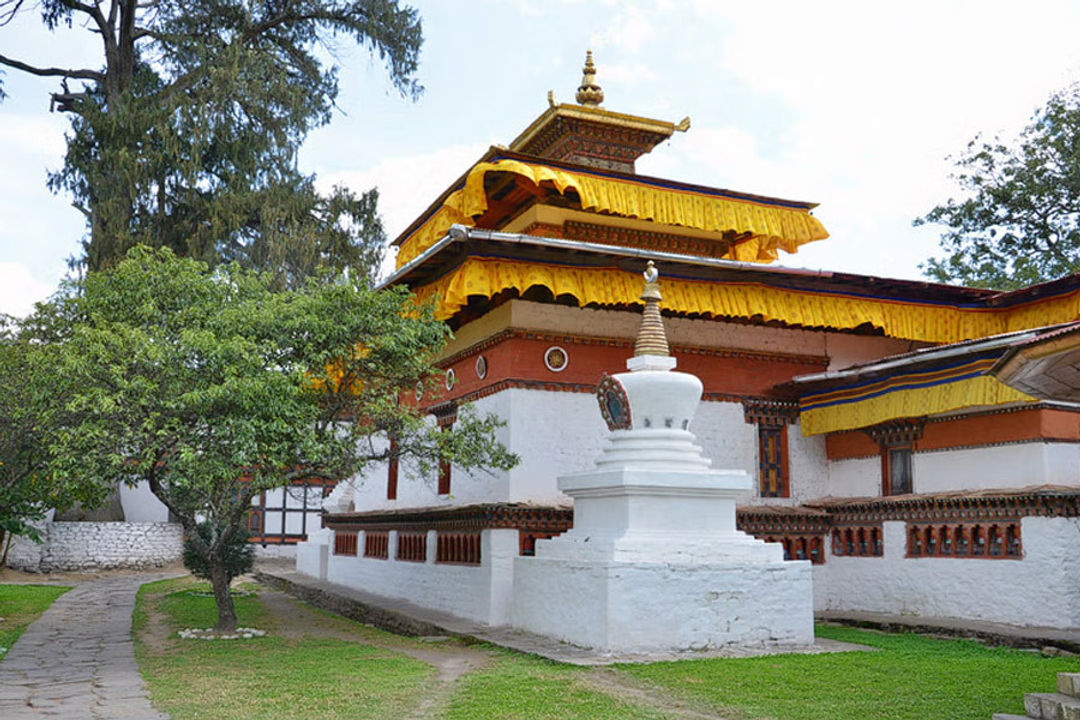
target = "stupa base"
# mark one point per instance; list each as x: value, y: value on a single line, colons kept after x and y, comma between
x: 641, y: 607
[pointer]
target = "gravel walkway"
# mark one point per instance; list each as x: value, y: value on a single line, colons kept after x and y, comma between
x: 77, y: 661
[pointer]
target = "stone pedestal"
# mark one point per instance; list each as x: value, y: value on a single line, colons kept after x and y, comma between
x: 654, y: 562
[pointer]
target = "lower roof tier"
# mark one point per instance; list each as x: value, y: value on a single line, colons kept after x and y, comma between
x: 829, y: 307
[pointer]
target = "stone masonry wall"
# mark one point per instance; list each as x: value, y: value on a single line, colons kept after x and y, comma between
x: 98, y: 545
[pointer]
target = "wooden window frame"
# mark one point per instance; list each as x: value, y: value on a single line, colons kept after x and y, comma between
x: 392, y: 471
x: 764, y: 465
x: 887, y: 449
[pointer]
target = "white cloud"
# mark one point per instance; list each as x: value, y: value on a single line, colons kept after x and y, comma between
x: 19, y: 289
x: 407, y: 184
x: 626, y: 31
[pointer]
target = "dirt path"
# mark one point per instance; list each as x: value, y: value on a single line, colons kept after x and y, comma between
x: 629, y: 689
x: 450, y: 658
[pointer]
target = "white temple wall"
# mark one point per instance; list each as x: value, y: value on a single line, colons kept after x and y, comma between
x: 554, y: 433
x: 368, y: 491
x: 1003, y: 466
x: 808, y: 467
x: 1041, y: 589
x: 475, y: 592
x: 140, y: 505
x: 855, y: 477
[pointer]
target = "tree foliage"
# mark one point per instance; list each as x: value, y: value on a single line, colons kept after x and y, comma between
x: 1017, y: 221
x: 31, y: 402
x: 213, y: 388
x: 238, y: 555
x: 186, y: 135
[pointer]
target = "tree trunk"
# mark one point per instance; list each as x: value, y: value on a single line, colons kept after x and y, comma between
x: 226, y: 613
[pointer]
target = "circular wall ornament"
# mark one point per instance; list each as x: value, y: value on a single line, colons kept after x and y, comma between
x: 556, y: 359
x: 481, y: 367
x: 419, y: 389
x: 451, y: 379
x: 614, y: 403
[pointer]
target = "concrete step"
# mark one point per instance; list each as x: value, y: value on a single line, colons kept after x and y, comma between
x: 1008, y: 716
x: 1052, y: 706
x: 1069, y: 684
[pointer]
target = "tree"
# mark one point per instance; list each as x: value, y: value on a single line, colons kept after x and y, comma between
x: 213, y: 388
x: 30, y: 402
x: 186, y: 135
x: 1018, y: 221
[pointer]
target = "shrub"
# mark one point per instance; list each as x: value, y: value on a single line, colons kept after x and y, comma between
x: 239, y: 553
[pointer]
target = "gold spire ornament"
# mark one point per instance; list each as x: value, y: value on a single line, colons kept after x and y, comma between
x: 651, y: 339
x: 589, y: 93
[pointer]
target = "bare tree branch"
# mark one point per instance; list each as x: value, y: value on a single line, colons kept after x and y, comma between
x: 83, y: 74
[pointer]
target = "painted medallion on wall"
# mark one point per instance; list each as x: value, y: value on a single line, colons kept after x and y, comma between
x: 419, y: 390
x: 614, y: 403
x: 451, y: 379
x: 481, y: 367
x: 556, y: 359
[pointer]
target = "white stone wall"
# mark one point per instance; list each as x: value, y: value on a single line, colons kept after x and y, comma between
x: 98, y: 545
x: 1041, y: 589
x: 482, y: 593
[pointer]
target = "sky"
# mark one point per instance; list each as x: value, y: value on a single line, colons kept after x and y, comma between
x: 853, y: 105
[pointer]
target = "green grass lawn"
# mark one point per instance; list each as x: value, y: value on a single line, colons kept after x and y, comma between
x: 20, y: 605
x: 515, y: 687
x: 269, y: 677
x: 360, y: 672
x: 908, y: 677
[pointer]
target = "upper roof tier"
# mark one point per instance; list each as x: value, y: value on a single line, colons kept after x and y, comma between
x: 571, y: 175
x: 586, y: 134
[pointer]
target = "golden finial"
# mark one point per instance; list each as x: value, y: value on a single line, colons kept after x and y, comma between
x: 651, y: 339
x: 589, y: 93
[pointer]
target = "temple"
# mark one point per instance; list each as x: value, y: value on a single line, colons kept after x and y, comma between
x: 916, y: 445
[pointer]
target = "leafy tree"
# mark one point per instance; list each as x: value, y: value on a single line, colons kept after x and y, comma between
x: 30, y: 402
x: 1018, y: 220
x: 212, y: 388
x: 186, y: 135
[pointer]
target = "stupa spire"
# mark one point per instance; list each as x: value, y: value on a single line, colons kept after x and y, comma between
x: 589, y: 93
x: 651, y: 338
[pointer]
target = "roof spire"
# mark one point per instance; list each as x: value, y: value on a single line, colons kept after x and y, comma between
x: 589, y: 93
x: 651, y: 339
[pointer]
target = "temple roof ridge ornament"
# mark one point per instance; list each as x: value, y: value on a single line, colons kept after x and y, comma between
x: 589, y: 93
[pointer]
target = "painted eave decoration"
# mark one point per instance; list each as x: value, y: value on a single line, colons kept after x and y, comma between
x: 935, y: 381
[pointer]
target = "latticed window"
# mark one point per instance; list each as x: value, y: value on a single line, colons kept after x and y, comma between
x: 772, y: 460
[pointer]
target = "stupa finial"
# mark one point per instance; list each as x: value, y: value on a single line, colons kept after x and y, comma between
x: 589, y: 93
x: 651, y: 339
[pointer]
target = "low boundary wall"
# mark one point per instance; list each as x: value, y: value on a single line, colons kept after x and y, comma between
x: 98, y: 546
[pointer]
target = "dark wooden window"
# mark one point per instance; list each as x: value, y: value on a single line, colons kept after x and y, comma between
x: 412, y: 547
x: 462, y: 548
x: 773, y: 460
x: 965, y: 540
x: 377, y: 545
x: 446, y: 424
x: 897, y: 469
x: 345, y: 542
x: 392, y: 472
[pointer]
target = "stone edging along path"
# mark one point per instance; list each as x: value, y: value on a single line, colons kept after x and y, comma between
x: 77, y: 661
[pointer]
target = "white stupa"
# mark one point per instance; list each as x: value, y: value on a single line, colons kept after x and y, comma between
x: 654, y: 562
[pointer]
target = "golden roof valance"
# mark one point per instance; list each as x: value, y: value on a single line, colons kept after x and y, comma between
x: 771, y: 227
x: 938, y: 323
